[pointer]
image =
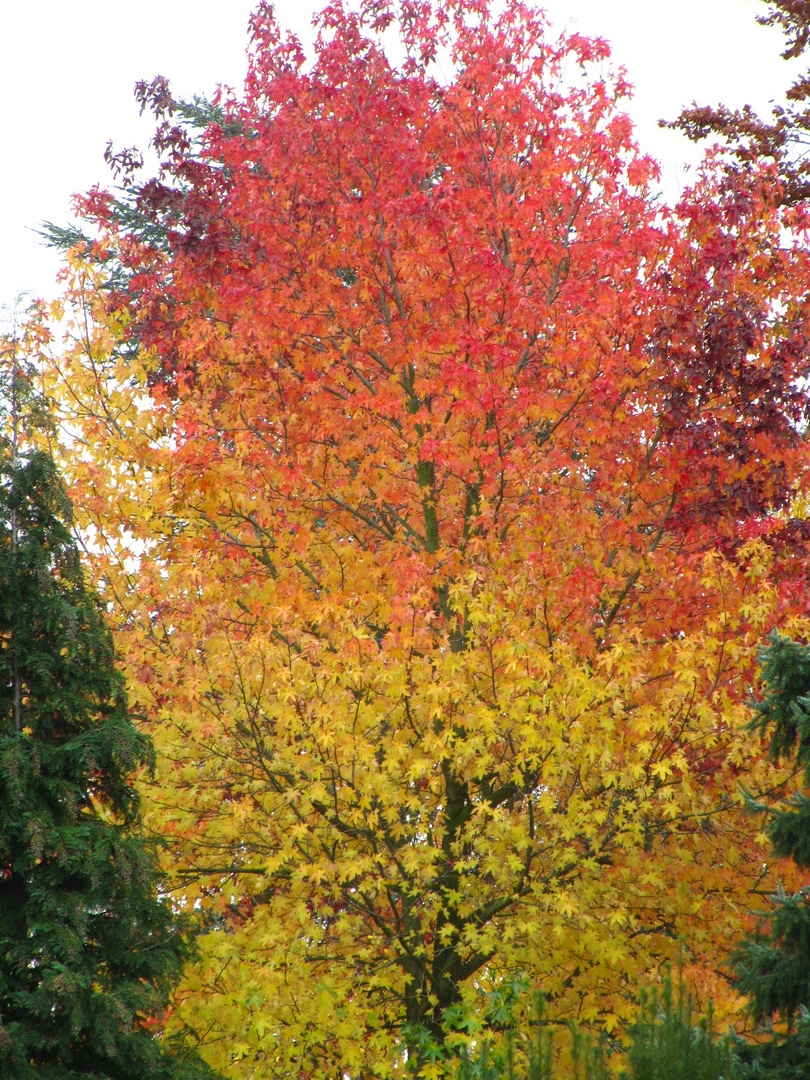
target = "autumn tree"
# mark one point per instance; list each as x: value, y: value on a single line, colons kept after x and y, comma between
x: 443, y: 481
x: 88, y: 950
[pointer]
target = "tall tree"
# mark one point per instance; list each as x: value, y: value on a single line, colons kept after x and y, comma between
x: 445, y: 483
x: 88, y: 950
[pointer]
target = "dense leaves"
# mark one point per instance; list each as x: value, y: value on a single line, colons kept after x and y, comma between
x: 442, y: 482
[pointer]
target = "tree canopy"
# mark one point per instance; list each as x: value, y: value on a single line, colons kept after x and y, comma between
x: 443, y: 481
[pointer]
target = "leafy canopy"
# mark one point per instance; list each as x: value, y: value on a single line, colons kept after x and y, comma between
x: 443, y: 483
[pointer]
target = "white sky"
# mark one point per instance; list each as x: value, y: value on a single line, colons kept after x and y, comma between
x: 69, y: 67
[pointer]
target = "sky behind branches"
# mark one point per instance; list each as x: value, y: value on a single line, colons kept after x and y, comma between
x: 68, y: 72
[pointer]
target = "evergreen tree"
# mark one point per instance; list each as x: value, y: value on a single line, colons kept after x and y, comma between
x: 669, y: 1041
x: 773, y: 966
x: 88, y: 949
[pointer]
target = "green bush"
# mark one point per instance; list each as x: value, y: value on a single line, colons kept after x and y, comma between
x: 529, y: 1054
x: 667, y: 1042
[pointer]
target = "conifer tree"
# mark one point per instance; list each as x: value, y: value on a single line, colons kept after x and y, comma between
x: 88, y: 949
x: 772, y: 967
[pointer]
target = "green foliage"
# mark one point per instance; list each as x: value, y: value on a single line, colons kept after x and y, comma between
x: 783, y: 712
x: 88, y: 950
x: 776, y: 1059
x: 772, y: 967
x: 668, y: 1043
x: 529, y: 1055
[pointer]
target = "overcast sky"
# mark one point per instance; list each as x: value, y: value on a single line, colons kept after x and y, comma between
x: 69, y: 67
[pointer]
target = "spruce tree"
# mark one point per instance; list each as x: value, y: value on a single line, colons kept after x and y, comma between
x: 89, y: 950
x: 772, y: 967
